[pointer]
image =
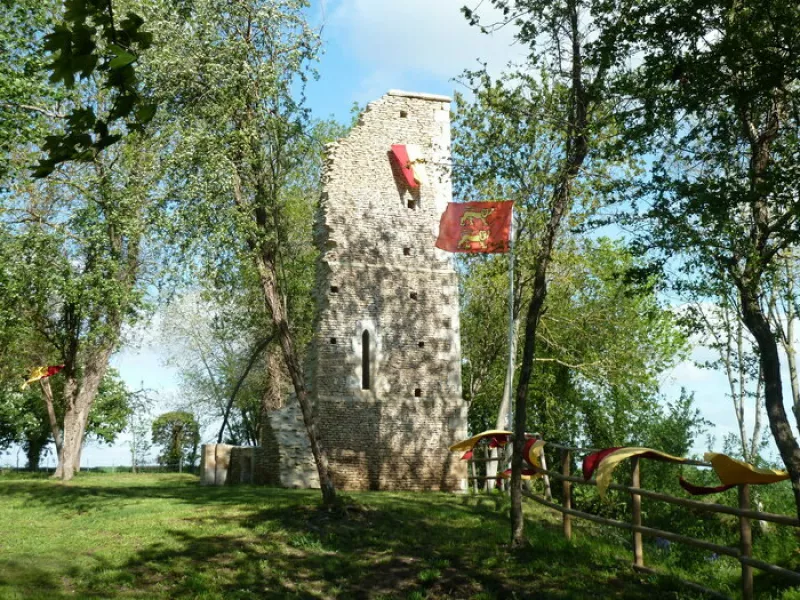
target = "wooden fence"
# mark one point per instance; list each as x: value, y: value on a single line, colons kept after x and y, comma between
x: 743, y: 553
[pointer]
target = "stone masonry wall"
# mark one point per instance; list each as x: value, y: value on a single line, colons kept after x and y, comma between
x: 382, y: 282
x: 286, y: 450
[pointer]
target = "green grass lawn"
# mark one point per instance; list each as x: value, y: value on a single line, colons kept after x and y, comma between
x: 165, y: 536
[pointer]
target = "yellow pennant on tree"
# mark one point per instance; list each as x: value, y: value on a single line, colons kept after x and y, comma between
x: 41, y: 373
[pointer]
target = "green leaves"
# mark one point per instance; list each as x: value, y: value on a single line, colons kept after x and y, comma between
x: 89, y: 41
x: 179, y: 435
x: 121, y: 57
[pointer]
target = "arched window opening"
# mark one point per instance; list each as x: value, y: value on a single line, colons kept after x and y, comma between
x: 365, y: 360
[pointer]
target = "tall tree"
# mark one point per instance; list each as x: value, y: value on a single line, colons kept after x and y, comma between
x: 784, y: 310
x: 78, y: 275
x: 220, y: 345
x: 139, y: 427
x: 178, y: 433
x: 24, y: 419
x: 603, y: 344
x: 83, y: 274
x: 717, y: 317
x: 244, y: 145
x: 718, y: 99
x: 575, y: 93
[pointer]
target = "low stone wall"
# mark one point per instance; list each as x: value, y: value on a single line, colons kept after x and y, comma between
x: 242, y: 465
x: 214, y: 463
x: 223, y: 464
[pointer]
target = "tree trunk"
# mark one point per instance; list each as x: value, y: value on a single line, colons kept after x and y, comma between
x: 79, y: 397
x: 253, y: 357
x: 577, y: 147
x: 759, y: 326
x: 276, y: 308
x: 33, y: 452
x: 528, y: 354
x: 791, y: 358
x: 66, y: 466
x: 51, y: 415
x: 272, y: 397
x: 133, y: 449
x: 742, y: 391
x: 755, y: 441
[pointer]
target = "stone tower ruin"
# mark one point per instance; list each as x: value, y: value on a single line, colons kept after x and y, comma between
x: 384, y: 367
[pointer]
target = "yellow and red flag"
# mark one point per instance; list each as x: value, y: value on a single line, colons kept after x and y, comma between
x: 731, y: 472
x: 475, y: 227
x: 41, y: 373
x: 412, y: 164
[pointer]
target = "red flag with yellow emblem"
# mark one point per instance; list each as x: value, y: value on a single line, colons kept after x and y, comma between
x: 475, y: 227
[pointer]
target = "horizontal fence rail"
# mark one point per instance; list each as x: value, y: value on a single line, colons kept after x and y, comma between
x: 745, y: 514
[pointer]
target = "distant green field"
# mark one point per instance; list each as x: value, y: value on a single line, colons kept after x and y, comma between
x: 164, y: 536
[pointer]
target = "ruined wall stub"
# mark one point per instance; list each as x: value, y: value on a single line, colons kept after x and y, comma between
x: 388, y: 414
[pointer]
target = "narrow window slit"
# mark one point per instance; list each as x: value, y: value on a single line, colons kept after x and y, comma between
x: 365, y: 360
x: 406, y: 251
x: 417, y: 393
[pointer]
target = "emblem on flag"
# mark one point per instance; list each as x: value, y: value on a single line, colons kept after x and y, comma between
x: 41, y: 373
x: 475, y: 227
x: 412, y: 164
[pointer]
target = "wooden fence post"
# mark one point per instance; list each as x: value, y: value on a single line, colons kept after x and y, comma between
x: 746, y: 542
x: 566, y: 459
x: 636, y: 514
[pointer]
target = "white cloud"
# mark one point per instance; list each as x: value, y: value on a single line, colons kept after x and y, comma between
x: 687, y: 372
x: 417, y: 39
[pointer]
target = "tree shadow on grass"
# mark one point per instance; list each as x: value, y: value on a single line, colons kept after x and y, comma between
x: 308, y: 553
x: 92, y: 494
x: 25, y: 581
x: 270, y: 543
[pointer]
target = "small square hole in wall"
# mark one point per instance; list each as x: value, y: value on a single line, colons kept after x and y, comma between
x: 446, y: 323
x: 421, y: 344
x: 333, y: 341
x: 334, y: 289
x: 417, y: 393
x: 403, y: 114
x: 406, y: 251
x: 411, y: 204
x: 414, y: 296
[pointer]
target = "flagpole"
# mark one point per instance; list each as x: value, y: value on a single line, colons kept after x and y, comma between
x: 504, y: 417
x: 512, y: 339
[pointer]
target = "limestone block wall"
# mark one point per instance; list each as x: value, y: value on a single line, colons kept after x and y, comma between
x: 384, y: 367
x: 215, y: 461
x: 286, y: 450
x: 222, y: 464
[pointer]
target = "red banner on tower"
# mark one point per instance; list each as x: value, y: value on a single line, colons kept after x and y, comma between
x: 412, y: 165
x: 475, y: 227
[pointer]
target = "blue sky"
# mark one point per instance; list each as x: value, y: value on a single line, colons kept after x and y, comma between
x: 371, y: 46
